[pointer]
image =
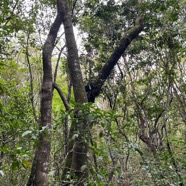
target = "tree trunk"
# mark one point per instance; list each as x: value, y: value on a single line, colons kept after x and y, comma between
x: 39, y: 170
x: 76, y: 161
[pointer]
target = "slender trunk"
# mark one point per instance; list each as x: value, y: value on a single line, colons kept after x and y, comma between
x: 3, y: 140
x: 43, y: 151
x: 39, y: 170
x: 31, y: 79
x: 173, y: 161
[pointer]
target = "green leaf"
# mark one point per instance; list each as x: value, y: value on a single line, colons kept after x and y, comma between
x: 26, y: 163
x: 75, y: 136
x: 42, y: 129
x: 26, y: 132
x: 100, y: 177
x: 2, y: 173
x: 83, y: 167
x: 15, y: 165
x: 101, y: 134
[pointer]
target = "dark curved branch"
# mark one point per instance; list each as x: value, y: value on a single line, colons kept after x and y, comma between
x: 73, y: 7
x: 93, y: 88
x: 8, y: 19
x: 62, y: 96
x: 31, y: 78
x: 57, y: 64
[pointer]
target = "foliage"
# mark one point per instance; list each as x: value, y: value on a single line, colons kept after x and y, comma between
x: 136, y: 126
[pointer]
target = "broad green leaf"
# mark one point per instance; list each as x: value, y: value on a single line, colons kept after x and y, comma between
x: 15, y: 165
x: 26, y: 163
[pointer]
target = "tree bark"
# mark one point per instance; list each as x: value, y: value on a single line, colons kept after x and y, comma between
x: 76, y: 161
x: 41, y: 161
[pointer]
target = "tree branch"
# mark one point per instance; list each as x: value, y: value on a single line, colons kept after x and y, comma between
x: 62, y: 96
x: 93, y: 88
x: 57, y: 64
